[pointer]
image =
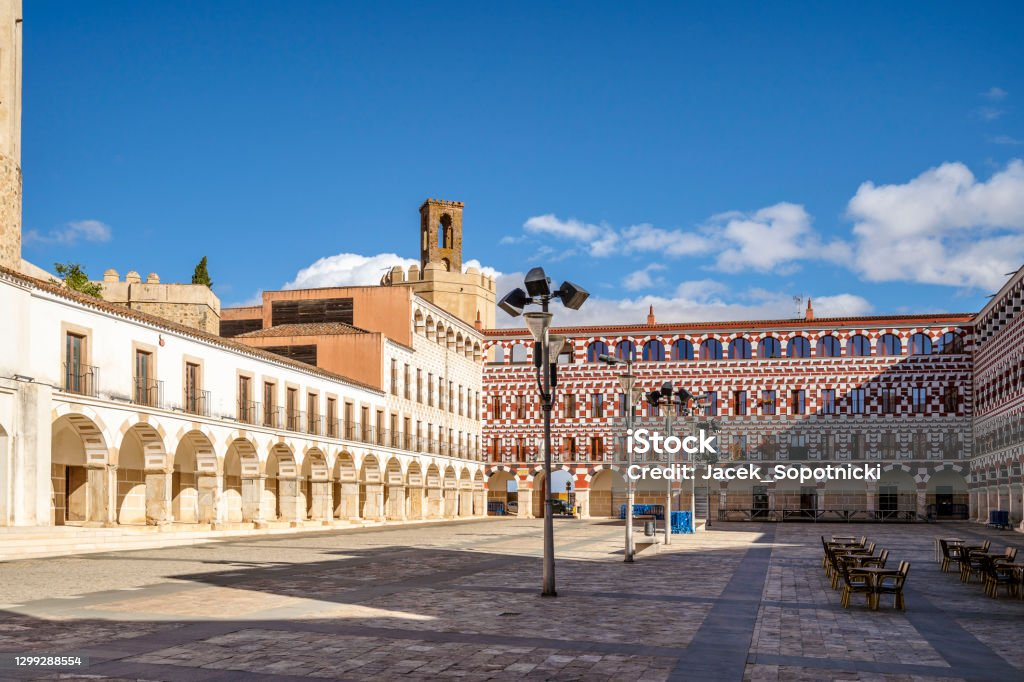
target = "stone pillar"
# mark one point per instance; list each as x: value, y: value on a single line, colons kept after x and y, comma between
x: 450, y: 504
x: 252, y: 500
x: 871, y: 499
x: 25, y: 450
x: 212, y: 509
x: 414, y: 503
x: 321, y: 506
x: 465, y: 502
x: 525, y: 503
x: 583, y: 502
x: 435, y: 503
x: 100, y: 495
x: 348, y: 501
x: 992, y: 500
x: 922, y: 501
x: 480, y: 502
x: 158, y: 498
x: 395, y: 503
x: 292, y: 507
x: 10, y: 134
x: 373, y: 509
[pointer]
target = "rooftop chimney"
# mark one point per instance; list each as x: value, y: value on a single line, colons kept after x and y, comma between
x: 650, y: 316
x: 809, y: 315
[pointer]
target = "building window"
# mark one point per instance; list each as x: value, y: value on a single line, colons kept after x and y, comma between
x: 495, y: 407
x: 654, y: 350
x: 769, y: 348
x: 451, y: 397
x: 768, y: 402
x: 595, y: 350
x: 291, y: 409
x: 857, y: 446
x: 711, y: 349
x: 828, y: 446
x: 858, y: 346
x: 332, y: 417
x: 269, y: 404
x: 313, y: 413
x: 407, y: 383
x: 570, y: 405
x: 625, y: 350
x: 394, y: 377
x: 430, y: 389
x: 951, y: 398
x: 195, y: 398
x: 798, y: 347
x: 682, y: 350
x: 419, y: 385
x: 711, y: 407
x: 739, y: 403
x: 379, y: 424
x: 520, y: 407
x: 889, y: 445
x: 889, y: 344
x: 888, y: 401
x: 739, y: 349
x: 597, y: 448
x: 77, y: 375
x: 798, y: 401
x: 570, y: 448
x: 857, y: 401
x: 518, y: 354
x: 920, y: 344
x: 246, y: 407
x: 828, y: 401
x: 951, y: 342
x: 145, y: 385
x: 828, y: 347
x: 597, y: 405
x: 920, y: 445
x: 919, y: 398
x: 520, y: 449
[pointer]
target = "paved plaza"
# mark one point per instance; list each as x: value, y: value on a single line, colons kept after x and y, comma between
x: 742, y: 601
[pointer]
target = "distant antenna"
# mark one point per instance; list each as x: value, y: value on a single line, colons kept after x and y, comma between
x: 798, y: 301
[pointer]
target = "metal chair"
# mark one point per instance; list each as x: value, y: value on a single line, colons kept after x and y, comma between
x: 856, y: 582
x: 878, y: 561
x: 893, y: 584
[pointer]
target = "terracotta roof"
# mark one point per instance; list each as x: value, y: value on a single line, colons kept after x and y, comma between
x: 816, y: 323
x: 305, y: 329
x: 181, y: 329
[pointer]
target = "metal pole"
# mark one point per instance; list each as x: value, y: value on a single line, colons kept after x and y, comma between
x: 549, y: 525
x: 668, y: 492
x: 630, y: 550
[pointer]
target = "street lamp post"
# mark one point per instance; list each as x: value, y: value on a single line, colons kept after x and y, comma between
x: 546, y: 348
x: 671, y: 397
x: 628, y: 383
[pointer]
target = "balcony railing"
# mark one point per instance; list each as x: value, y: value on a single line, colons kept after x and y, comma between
x: 248, y: 411
x: 81, y: 379
x: 148, y: 392
x: 197, y: 403
x: 272, y: 416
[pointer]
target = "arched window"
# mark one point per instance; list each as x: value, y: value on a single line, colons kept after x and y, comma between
x: 858, y: 346
x: 951, y: 342
x: 800, y: 347
x: 769, y: 348
x: 654, y: 350
x: 711, y: 349
x: 682, y: 350
x: 596, y: 349
x: 499, y: 354
x: 889, y: 344
x: 920, y: 344
x: 828, y: 347
x: 739, y: 349
x: 518, y: 353
x: 625, y: 350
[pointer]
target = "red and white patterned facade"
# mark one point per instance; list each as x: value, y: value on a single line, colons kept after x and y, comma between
x: 996, y: 476
x: 904, y: 402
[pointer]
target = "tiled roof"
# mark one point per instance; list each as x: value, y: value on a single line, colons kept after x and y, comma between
x: 122, y: 311
x: 304, y: 329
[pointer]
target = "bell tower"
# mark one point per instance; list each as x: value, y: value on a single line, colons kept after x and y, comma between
x: 10, y: 134
x: 441, y: 234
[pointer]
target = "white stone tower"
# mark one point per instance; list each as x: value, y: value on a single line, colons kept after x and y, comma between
x: 10, y: 134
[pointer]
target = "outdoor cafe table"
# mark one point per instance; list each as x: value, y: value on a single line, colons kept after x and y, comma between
x: 948, y: 541
x: 844, y: 538
x: 875, y: 572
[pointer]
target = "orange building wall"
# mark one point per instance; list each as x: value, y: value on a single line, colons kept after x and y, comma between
x: 357, y: 356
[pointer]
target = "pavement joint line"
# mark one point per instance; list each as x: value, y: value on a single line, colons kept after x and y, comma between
x: 858, y: 665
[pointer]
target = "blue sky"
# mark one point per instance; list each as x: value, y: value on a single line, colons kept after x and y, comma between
x: 713, y: 159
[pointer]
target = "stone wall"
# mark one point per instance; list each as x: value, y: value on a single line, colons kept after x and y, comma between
x: 10, y: 214
x: 195, y: 315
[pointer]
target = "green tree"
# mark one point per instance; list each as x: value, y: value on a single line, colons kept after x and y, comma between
x: 74, y: 278
x: 201, y: 274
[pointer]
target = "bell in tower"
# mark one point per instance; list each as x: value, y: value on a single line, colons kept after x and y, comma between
x: 441, y: 234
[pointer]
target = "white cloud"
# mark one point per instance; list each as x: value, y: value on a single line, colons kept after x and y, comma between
x: 989, y: 113
x: 602, y: 239
x: 348, y: 269
x: 995, y: 94
x: 770, y: 239
x: 942, y: 227
x: 1005, y: 140
x: 70, y: 233
x: 647, y: 238
x: 643, y: 279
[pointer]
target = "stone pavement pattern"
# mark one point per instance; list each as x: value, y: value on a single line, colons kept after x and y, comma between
x: 741, y: 602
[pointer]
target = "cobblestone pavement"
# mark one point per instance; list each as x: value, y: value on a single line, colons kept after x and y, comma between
x: 740, y: 602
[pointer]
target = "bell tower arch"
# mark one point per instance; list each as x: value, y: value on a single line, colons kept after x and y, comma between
x: 441, y: 234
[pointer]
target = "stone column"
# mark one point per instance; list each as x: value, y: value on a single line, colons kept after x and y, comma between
x: 348, y: 501
x: 525, y: 503
x: 415, y: 507
x: 465, y: 502
x: 450, y: 505
x: 321, y: 506
x: 583, y: 502
x: 480, y: 502
x: 395, y: 503
x: 871, y: 499
x: 212, y: 509
x: 1015, y: 503
x: 100, y: 495
x: 435, y: 503
x: 922, y: 500
x: 292, y: 507
x: 158, y: 497
x: 373, y: 509
x: 252, y: 500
